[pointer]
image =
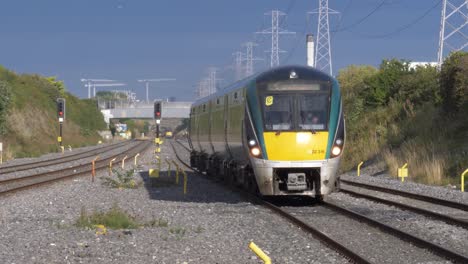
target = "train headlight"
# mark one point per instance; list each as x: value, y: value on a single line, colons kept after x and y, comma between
x: 339, y: 142
x: 336, y: 151
x: 255, y: 151
x: 252, y: 142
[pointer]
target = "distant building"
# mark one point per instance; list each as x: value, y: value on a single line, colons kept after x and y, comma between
x: 414, y: 64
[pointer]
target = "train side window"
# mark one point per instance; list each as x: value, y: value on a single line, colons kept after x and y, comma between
x: 204, y: 107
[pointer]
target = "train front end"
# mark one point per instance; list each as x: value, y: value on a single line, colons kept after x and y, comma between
x: 295, y: 131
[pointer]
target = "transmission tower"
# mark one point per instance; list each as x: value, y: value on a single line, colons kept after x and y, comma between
x: 238, y: 64
x: 323, y: 60
x: 202, y: 90
x: 249, y: 58
x: 275, y: 32
x: 453, y: 27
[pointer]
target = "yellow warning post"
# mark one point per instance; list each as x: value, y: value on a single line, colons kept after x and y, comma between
x: 359, y: 168
x: 259, y: 253
x: 403, y: 172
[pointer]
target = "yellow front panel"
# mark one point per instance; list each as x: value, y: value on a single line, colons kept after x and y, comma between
x: 296, y: 145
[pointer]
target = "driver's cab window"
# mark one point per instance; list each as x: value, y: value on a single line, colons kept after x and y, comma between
x: 278, y: 112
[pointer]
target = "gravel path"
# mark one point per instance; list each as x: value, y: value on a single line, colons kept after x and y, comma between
x: 210, y: 224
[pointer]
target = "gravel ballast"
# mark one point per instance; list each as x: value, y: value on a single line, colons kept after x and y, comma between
x: 210, y: 224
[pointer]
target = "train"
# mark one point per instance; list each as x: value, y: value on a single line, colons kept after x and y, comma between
x: 276, y: 133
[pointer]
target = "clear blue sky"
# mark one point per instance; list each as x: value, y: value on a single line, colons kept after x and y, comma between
x: 131, y: 39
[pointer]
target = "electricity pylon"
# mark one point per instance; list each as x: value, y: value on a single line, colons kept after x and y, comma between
x: 323, y: 50
x: 453, y: 28
x: 238, y: 64
x: 275, y: 32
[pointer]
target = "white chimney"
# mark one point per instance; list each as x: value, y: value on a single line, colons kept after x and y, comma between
x: 310, y: 50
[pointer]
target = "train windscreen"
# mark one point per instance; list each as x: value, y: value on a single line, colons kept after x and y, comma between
x: 296, y: 109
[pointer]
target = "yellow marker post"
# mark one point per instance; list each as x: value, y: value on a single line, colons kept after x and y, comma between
x: 359, y: 168
x: 153, y: 173
x: 93, y: 170
x: 403, y: 172
x: 259, y: 253
x: 136, y: 157
x: 169, y: 168
x: 463, y: 180
x: 110, y: 166
x: 123, y: 162
x: 59, y: 139
x: 185, y: 182
x: 100, y: 229
x: 177, y: 172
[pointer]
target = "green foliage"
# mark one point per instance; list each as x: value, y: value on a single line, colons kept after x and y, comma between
x: 160, y: 222
x: 454, y: 82
x: 5, y: 100
x: 30, y: 101
x: 384, y: 85
x: 125, y: 179
x: 110, y: 96
x: 115, y: 218
x: 352, y: 82
x: 395, y: 109
x: 58, y: 85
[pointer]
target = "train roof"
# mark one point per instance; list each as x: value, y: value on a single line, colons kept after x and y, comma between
x: 278, y: 73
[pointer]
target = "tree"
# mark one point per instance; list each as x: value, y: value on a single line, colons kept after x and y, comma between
x: 352, y: 83
x: 419, y: 87
x: 454, y: 81
x: 383, y: 85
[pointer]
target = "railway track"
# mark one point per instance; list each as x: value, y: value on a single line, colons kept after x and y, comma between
x: 16, y: 184
x: 54, y: 161
x: 340, y: 247
x: 327, y: 240
x: 415, y: 196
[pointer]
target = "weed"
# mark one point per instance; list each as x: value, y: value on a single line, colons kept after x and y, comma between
x: 160, y: 222
x: 199, y: 230
x: 179, y: 231
x: 125, y: 179
x: 115, y: 218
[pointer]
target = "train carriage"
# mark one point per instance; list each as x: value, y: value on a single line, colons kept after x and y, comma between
x: 280, y: 132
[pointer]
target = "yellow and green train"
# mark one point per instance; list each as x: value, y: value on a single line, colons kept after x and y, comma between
x: 280, y: 132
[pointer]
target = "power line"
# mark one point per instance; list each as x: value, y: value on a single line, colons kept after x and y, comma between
x: 358, y: 22
x: 404, y: 27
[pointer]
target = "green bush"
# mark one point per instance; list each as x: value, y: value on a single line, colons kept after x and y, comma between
x: 5, y: 100
x: 454, y: 82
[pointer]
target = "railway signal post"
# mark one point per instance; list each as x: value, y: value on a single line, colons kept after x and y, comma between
x: 157, y: 117
x: 61, y: 117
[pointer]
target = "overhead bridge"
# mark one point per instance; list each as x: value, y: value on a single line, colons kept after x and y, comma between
x: 172, y: 110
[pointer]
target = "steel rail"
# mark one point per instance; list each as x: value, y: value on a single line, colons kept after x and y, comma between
x: 421, y: 197
x: 83, y: 169
x: 432, y: 214
x: 322, y: 237
x: 436, y: 249
x: 50, y: 162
